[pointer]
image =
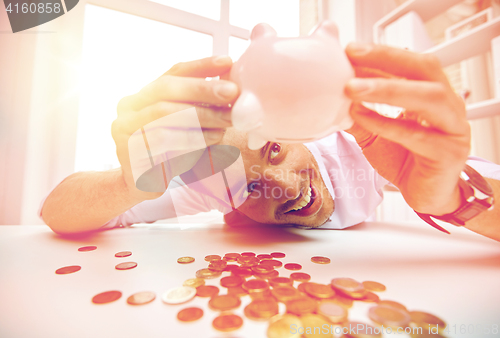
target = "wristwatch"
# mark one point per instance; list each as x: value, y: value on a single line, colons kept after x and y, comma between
x: 478, y: 197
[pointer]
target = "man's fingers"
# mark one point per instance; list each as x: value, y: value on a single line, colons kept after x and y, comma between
x: 426, y: 142
x: 423, y: 97
x: 213, y: 136
x: 396, y: 61
x: 186, y: 89
x: 208, y: 67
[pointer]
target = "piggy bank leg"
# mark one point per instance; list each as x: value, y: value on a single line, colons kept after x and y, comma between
x: 255, y: 141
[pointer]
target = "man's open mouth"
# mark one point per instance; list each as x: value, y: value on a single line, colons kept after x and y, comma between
x: 309, y: 203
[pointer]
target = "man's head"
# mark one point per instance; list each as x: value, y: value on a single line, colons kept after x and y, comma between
x: 284, y: 183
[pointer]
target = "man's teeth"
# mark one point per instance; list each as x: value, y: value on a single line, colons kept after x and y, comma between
x: 305, y: 201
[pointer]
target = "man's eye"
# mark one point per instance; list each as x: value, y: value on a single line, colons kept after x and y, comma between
x: 251, y: 187
x: 275, y: 150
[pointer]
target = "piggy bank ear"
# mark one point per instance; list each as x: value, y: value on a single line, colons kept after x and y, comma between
x: 262, y: 30
x: 326, y: 28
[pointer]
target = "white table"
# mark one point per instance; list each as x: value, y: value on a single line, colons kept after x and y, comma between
x: 456, y: 277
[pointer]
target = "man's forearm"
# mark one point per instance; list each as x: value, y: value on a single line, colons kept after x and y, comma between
x: 488, y: 222
x: 85, y: 201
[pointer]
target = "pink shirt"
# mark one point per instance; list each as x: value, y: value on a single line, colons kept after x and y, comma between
x: 354, y: 185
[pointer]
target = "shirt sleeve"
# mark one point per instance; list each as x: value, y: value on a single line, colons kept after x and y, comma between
x: 484, y: 167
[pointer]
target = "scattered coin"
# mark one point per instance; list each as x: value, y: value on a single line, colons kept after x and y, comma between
x: 185, y: 260
x: 293, y: 266
x: 68, y: 269
x: 374, y: 286
x: 278, y: 254
x: 301, y: 306
x: 311, y: 321
x: 300, y: 277
x: 280, y: 281
x: 389, y: 316
x: 266, y: 294
x: 210, y: 258
x: 319, y: 290
x: 106, y: 297
x: 262, y: 269
x: 343, y: 301
x: 320, y: 260
x: 272, y: 262
x: 230, y: 267
x: 227, y: 322
x: 427, y: 320
x: 370, y: 297
x: 217, y: 265
x: 224, y: 302
x: 301, y: 286
x: 393, y: 304
x: 255, y: 285
x: 231, y: 257
x: 280, y: 325
x: 237, y: 291
x: 331, y: 310
x: 264, y: 257
x: 194, y: 282
x: 242, y: 272
x: 248, y: 254
x: 248, y: 260
x: 285, y: 293
x: 179, y: 295
x: 207, y: 291
x: 349, y: 287
x: 126, y: 266
x: 231, y: 281
x: 190, y: 314
x: 261, y: 309
x: 87, y: 248
x: 141, y: 298
x: 207, y: 274
x: 268, y: 275
x: 123, y: 254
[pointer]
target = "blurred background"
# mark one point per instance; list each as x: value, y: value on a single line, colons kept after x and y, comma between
x: 60, y: 82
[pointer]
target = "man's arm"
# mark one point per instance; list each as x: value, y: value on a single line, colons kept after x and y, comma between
x: 488, y: 222
x: 85, y: 201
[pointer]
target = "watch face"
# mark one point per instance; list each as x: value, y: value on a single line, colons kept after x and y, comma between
x: 478, y: 181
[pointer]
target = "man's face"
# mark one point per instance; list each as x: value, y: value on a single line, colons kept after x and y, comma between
x: 284, y: 183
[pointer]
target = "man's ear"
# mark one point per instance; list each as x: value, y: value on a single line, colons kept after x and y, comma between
x: 238, y: 219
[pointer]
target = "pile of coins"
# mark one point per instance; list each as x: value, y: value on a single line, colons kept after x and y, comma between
x: 309, y: 305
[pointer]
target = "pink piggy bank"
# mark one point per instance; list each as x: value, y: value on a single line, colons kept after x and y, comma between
x: 292, y: 89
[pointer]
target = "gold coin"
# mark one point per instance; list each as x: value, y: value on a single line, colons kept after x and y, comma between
x: 337, y: 314
x: 285, y: 293
x: 242, y: 272
x: 224, y: 302
x: 185, y: 260
x: 194, y: 282
x: 248, y: 260
x: 278, y: 254
x: 301, y: 306
x: 231, y: 281
x: 207, y: 273
x: 361, y: 330
x: 268, y: 275
x: 293, y: 266
x: 349, y: 287
x: 262, y: 269
x: 393, y: 304
x: 320, y: 260
x: 210, y: 258
x: 314, y: 326
x: 301, y: 286
x: 141, y: 298
x: 374, y: 286
x: 266, y: 294
x: 343, y: 301
x: 217, y: 265
x: 207, y: 291
x: 248, y: 254
x: 264, y: 257
x: 237, y: 291
x: 370, y: 297
x: 272, y: 262
x: 319, y: 290
x: 232, y: 255
x: 190, y: 314
x: 279, y: 327
x: 427, y: 321
x: 389, y: 316
x: 227, y: 322
x: 280, y: 281
x: 255, y: 285
x: 261, y: 309
x: 300, y: 277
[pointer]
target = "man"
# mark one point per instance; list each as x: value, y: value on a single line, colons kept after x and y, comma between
x: 422, y: 153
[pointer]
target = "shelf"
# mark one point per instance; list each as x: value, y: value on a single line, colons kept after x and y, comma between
x: 482, y: 109
x: 474, y: 42
x: 426, y: 9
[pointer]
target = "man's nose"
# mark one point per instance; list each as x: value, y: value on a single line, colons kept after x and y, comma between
x: 283, y: 185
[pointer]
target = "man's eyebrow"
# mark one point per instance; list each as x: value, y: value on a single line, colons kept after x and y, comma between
x: 263, y: 150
